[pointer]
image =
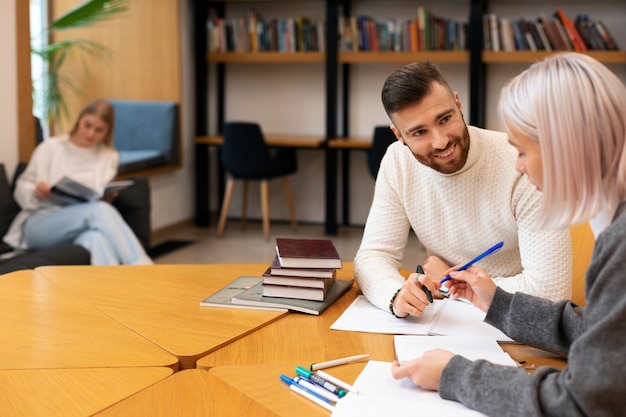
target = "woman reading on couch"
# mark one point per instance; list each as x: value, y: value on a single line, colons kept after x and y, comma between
x: 85, y: 155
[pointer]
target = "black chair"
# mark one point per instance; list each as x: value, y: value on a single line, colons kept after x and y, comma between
x: 383, y: 137
x: 245, y: 156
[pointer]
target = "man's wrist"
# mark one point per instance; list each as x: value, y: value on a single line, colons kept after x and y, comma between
x: 391, y: 303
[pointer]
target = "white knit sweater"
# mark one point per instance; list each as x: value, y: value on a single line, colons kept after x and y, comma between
x: 456, y: 217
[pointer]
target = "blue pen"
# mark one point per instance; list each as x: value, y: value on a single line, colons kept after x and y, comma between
x: 488, y: 252
x: 307, y: 393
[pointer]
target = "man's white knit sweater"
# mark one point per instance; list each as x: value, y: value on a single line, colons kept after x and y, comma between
x: 456, y: 217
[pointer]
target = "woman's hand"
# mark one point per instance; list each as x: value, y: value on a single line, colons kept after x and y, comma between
x: 42, y: 190
x: 110, y: 196
x: 474, y: 285
x: 424, y: 371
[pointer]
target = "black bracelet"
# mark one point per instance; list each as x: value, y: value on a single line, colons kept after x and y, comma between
x: 391, y: 303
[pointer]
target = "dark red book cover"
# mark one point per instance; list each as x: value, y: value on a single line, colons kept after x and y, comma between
x: 307, y: 253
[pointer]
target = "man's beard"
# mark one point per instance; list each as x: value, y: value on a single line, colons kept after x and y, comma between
x: 449, y: 167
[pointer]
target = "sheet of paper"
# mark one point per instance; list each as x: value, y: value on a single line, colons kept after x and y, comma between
x: 408, y: 347
x: 381, y: 395
x: 443, y: 317
x: 362, y: 316
x: 461, y: 318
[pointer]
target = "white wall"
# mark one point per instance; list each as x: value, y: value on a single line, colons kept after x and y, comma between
x: 8, y: 86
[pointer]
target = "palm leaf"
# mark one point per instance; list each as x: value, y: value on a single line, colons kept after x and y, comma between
x: 88, y: 12
x: 55, y: 54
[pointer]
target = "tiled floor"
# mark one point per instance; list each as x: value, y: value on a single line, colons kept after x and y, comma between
x: 247, y: 245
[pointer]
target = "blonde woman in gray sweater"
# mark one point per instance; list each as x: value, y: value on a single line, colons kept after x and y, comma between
x: 566, y: 116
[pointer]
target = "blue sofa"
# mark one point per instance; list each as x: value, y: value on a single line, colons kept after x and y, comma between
x: 146, y: 134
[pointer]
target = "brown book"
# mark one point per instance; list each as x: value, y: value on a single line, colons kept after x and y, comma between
x: 276, y: 269
x: 300, y: 293
x: 307, y: 253
x: 297, y: 281
x: 570, y: 29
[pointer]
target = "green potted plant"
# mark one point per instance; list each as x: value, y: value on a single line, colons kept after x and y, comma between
x: 54, y: 54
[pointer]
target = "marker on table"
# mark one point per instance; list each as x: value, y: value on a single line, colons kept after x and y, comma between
x: 488, y: 252
x: 420, y: 270
x: 337, y: 382
x: 337, y: 362
x: 320, y: 381
x: 305, y: 393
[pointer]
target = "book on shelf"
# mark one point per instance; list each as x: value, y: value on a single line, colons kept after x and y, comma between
x: 276, y: 269
x: 542, y: 34
x: 224, y: 296
x: 571, y: 30
x: 307, y: 253
x: 254, y: 297
x: 67, y: 191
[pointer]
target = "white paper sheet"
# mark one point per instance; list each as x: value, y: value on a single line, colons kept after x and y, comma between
x: 443, y: 317
x: 361, y: 316
x: 381, y: 395
x: 408, y: 347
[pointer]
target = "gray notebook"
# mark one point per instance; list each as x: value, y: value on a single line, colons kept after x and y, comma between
x: 254, y: 297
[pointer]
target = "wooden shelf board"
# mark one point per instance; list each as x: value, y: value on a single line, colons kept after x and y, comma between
x: 267, y: 57
x: 296, y: 141
x: 490, y: 57
x: 452, y: 57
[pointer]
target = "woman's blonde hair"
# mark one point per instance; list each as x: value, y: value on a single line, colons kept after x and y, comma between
x: 104, y: 111
x: 575, y: 108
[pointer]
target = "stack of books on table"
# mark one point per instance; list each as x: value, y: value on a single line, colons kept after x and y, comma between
x: 302, y: 269
x: 301, y: 278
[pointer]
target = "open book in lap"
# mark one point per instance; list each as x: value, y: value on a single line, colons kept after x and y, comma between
x: 67, y: 191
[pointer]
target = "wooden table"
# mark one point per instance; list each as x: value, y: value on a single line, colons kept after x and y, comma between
x: 71, y: 392
x: 284, y: 341
x: 45, y: 326
x: 162, y: 303
x: 228, y: 391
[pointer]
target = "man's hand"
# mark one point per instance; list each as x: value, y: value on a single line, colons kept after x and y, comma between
x: 437, y: 269
x: 412, y: 300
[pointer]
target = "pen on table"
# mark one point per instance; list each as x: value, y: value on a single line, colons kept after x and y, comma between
x: 420, y: 270
x: 488, y: 252
x: 337, y: 382
x: 322, y: 392
x: 311, y: 396
x: 336, y: 362
x: 320, y: 381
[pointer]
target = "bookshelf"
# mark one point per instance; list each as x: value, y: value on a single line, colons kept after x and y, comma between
x: 345, y: 87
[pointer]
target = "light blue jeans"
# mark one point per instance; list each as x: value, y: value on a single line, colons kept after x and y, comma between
x: 96, y: 226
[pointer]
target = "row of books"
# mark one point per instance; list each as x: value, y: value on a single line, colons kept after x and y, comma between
x: 425, y: 32
x: 559, y: 33
x: 253, y: 34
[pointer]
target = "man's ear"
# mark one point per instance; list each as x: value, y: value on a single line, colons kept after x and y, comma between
x: 457, y: 100
x: 396, y: 132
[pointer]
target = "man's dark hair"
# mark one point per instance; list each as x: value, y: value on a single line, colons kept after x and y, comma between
x: 409, y: 85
